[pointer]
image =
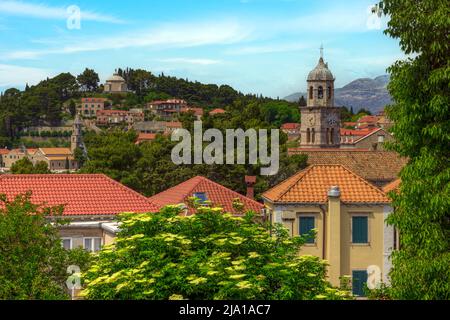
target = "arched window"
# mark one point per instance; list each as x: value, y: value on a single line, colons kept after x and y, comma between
x: 311, y: 92
x: 329, y: 92
x: 313, y: 135
x: 320, y: 92
x: 308, y: 136
x: 332, y: 136
x: 328, y: 136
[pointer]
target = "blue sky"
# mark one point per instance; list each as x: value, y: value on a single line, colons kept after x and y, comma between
x: 256, y: 46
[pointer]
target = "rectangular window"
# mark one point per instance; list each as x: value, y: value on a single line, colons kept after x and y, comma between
x: 360, y: 229
x: 92, y: 244
x: 306, y: 224
x: 359, y: 282
x: 66, y: 243
x: 201, y: 195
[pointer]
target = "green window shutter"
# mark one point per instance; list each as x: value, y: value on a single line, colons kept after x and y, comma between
x: 360, y: 230
x: 359, y: 282
x: 306, y: 224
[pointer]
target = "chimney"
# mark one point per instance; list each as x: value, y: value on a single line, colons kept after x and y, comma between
x: 250, y: 182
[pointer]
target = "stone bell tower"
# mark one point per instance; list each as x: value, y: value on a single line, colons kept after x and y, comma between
x: 76, y: 140
x: 320, y: 127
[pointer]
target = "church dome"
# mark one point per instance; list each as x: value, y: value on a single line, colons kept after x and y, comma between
x: 321, y: 72
x: 115, y: 78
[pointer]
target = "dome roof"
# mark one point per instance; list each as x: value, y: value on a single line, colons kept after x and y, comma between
x: 116, y: 77
x: 321, y: 72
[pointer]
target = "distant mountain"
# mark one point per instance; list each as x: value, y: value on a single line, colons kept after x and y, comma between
x: 365, y: 93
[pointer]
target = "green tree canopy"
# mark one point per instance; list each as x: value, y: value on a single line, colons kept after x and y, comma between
x: 89, y: 80
x: 33, y: 264
x: 206, y: 256
x: 25, y: 166
x: 420, y: 89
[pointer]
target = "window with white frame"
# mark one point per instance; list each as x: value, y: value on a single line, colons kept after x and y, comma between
x: 92, y: 244
x: 66, y: 243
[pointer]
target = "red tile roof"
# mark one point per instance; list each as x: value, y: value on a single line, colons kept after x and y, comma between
x: 197, y: 111
x: 290, y: 126
x: 380, y: 167
x: 146, y: 137
x: 217, y: 111
x: 82, y: 194
x: 216, y: 193
x: 4, y: 151
x: 393, y: 186
x: 360, y: 133
x: 312, y: 185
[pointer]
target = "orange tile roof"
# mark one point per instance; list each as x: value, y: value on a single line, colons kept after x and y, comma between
x: 55, y: 151
x: 196, y: 111
x: 57, y: 158
x: 351, y: 132
x: 380, y: 167
x: 4, y: 151
x: 82, y: 194
x: 393, y: 186
x: 216, y: 193
x: 217, y: 111
x: 290, y: 126
x: 312, y: 185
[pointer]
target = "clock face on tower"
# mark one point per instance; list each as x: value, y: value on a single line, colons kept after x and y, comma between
x: 332, y: 119
x: 311, y: 120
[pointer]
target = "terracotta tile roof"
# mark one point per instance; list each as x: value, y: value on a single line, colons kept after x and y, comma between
x: 376, y: 130
x: 393, y: 186
x: 55, y: 151
x: 217, y: 111
x: 143, y: 137
x: 216, y: 193
x: 312, y: 185
x: 379, y: 167
x: 4, y: 151
x: 82, y: 194
x: 197, y: 111
x: 351, y: 132
x: 290, y: 126
x: 57, y: 158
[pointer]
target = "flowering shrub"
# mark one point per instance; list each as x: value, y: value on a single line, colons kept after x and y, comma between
x: 210, y: 255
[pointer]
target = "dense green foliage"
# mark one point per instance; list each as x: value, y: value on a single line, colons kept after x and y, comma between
x: 88, y: 80
x: 420, y: 88
x: 25, y: 166
x: 209, y: 255
x: 350, y: 116
x: 33, y: 264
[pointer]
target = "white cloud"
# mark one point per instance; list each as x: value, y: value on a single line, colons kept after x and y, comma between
x: 204, y: 62
x: 11, y: 75
x: 19, y: 8
x: 162, y: 37
x: 269, y: 48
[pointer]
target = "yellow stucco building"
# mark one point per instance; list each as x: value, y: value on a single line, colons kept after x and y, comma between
x: 348, y: 214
